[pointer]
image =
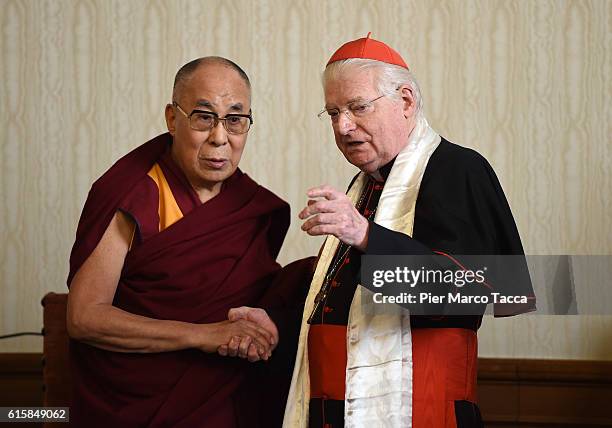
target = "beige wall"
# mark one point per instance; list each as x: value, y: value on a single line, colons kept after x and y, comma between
x: 527, y: 83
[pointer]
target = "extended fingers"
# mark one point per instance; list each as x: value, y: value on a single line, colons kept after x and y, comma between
x: 323, y: 229
x: 325, y: 191
x: 316, y: 207
x: 319, y: 219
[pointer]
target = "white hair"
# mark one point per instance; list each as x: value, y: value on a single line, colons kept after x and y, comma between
x: 388, y: 78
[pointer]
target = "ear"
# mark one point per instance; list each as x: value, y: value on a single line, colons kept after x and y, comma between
x: 409, y: 104
x: 170, y: 119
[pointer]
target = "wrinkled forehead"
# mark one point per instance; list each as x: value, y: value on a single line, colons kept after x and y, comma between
x: 349, y: 84
x: 215, y: 87
x: 222, y: 103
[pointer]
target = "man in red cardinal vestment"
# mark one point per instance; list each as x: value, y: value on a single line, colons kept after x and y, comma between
x: 360, y: 364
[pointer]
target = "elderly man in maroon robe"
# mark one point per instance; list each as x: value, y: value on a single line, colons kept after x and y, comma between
x: 170, y: 238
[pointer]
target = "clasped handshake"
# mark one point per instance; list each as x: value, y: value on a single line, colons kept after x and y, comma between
x: 248, y: 333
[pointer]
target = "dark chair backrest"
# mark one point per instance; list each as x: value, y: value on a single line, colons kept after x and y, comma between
x: 56, y: 360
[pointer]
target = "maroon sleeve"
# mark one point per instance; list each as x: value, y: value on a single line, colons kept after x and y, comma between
x: 105, y: 195
x: 142, y: 206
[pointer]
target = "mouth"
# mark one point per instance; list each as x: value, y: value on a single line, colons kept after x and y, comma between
x: 214, y: 162
x: 353, y: 143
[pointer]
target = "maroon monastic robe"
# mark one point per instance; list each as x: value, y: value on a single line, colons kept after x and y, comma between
x: 220, y: 255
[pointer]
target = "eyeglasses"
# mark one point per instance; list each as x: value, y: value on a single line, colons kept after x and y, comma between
x: 352, y: 110
x: 201, y: 120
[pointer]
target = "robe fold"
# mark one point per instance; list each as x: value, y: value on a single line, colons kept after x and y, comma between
x: 219, y: 255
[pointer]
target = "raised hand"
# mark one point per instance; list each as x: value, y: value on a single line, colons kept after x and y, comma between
x: 244, y: 346
x: 334, y: 214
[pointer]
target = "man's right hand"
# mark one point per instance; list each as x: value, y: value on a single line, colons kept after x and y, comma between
x: 212, y: 336
x: 243, y: 347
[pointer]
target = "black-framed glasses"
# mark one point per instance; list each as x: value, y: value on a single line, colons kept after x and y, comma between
x: 352, y: 110
x: 202, y: 120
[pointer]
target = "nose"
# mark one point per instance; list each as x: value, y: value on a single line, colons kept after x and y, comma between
x: 218, y: 135
x: 345, y: 123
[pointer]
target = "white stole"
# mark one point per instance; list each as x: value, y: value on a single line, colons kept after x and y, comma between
x: 379, y: 343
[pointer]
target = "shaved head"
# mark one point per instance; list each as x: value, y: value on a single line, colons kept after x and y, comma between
x: 187, y: 70
x: 212, y: 86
